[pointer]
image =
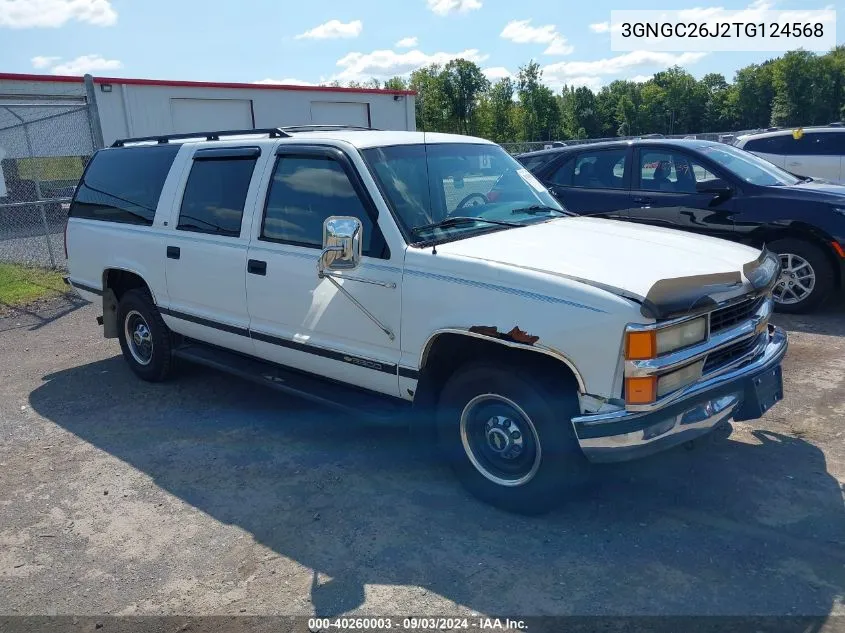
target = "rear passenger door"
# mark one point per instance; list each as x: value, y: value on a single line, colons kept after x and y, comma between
x: 300, y: 320
x: 817, y: 154
x: 206, y: 250
x: 593, y: 182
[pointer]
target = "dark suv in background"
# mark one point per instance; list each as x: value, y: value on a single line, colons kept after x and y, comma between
x: 713, y: 189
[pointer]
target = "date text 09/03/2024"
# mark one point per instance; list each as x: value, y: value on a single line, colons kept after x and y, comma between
x: 415, y: 624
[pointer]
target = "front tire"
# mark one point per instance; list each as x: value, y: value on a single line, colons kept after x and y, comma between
x: 508, y: 441
x: 144, y: 338
x: 806, y: 276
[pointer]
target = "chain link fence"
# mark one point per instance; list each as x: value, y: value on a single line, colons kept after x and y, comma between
x: 45, y: 144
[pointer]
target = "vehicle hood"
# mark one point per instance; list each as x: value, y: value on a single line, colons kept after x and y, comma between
x: 821, y: 190
x: 667, y: 271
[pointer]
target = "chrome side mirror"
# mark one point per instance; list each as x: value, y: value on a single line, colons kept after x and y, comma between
x: 341, y: 244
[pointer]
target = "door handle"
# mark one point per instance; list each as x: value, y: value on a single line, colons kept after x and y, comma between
x: 256, y: 267
x: 173, y: 252
x: 643, y: 199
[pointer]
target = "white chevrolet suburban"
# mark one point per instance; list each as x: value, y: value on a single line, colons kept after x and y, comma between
x: 425, y: 278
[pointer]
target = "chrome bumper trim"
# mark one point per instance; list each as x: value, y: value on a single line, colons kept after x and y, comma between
x: 691, y: 412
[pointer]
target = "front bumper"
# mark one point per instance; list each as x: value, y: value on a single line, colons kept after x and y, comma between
x: 625, y: 435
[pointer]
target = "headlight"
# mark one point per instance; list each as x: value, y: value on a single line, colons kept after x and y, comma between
x: 681, y: 335
x: 647, y: 344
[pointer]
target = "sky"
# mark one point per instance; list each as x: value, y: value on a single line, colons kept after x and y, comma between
x: 281, y: 41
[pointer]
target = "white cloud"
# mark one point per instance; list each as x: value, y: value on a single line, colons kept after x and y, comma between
x: 600, y: 27
x: 564, y: 72
x: 288, y: 81
x: 386, y: 63
x: 407, y: 42
x: 86, y: 64
x: 333, y: 29
x: 21, y: 14
x: 521, y: 32
x: 445, y: 7
x: 641, y: 79
x: 496, y: 73
x: 42, y: 61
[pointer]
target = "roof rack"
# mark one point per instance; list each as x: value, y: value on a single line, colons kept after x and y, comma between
x: 273, y: 132
x: 325, y: 128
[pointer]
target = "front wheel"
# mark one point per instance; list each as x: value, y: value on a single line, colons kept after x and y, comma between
x: 509, y: 442
x: 806, y: 277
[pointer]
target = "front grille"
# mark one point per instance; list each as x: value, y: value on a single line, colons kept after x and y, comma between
x: 728, y: 354
x: 724, y: 318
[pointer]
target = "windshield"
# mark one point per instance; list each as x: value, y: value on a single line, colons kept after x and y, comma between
x: 749, y: 167
x: 429, y: 185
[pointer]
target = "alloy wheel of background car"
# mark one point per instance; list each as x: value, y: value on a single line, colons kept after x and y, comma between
x: 797, y: 279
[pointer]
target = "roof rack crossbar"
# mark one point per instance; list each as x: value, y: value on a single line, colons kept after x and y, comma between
x: 273, y: 132
x: 324, y: 128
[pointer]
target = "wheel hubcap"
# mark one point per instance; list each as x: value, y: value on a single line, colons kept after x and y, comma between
x: 797, y: 279
x: 500, y: 440
x: 139, y: 339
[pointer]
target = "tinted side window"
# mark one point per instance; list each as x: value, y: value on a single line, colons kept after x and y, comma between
x: 563, y: 174
x: 306, y: 190
x: 770, y: 145
x: 124, y: 184
x: 533, y: 163
x: 817, y: 144
x: 214, y: 196
x: 600, y: 169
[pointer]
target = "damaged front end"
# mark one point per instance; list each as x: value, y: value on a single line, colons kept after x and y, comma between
x: 711, y: 355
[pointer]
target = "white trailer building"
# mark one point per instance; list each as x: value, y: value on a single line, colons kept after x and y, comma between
x: 147, y: 107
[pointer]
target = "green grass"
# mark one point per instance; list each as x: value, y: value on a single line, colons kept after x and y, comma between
x: 20, y: 285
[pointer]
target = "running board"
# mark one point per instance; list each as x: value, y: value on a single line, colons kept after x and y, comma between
x: 351, y: 400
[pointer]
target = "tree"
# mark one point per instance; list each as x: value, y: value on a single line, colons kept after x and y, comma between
x: 752, y: 96
x: 396, y: 83
x: 540, y: 114
x: 431, y: 107
x: 462, y: 83
x: 501, y: 104
x: 718, y: 112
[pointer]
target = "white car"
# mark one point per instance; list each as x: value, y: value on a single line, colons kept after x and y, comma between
x: 817, y: 153
x: 426, y: 278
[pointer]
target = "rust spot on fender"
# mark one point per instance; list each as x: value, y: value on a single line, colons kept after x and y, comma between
x: 515, y: 335
x: 521, y: 336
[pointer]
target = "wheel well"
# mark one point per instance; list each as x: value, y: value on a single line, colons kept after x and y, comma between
x: 761, y: 238
x: 450, y: 351
x: 117, y: 283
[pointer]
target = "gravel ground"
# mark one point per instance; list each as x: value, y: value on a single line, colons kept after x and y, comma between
x: 210, y: 495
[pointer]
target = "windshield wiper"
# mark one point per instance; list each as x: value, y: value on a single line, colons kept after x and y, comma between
x: 536, y: 209
x: 457, y: 220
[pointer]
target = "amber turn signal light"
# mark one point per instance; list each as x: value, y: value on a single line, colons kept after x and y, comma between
x: 641, y: 345
x: 641, y: 390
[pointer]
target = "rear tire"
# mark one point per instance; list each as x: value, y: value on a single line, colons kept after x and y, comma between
x: 510, y: 443
x: 144, y: 338
x: 807, y: 276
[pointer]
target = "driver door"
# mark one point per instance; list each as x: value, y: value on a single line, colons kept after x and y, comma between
x: 298, y: 319
x: 664, y: 194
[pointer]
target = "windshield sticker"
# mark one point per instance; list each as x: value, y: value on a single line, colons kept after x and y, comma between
x: 528, y: 177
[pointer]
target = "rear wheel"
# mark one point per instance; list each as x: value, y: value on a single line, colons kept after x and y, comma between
x: 806, y: 276
x: 509, y: 442
x: 144, y: 337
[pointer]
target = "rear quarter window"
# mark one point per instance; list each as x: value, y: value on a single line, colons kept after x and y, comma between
x: 124, y: 184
